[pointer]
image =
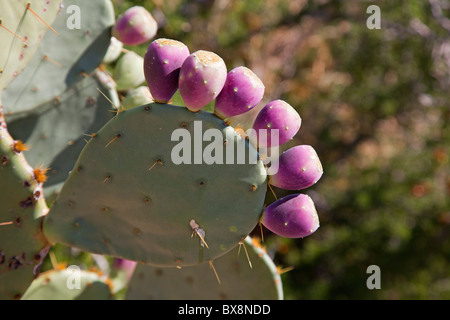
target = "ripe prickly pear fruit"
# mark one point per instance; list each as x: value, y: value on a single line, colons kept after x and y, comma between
x: 276, y: 115
x: 293, y: 216
x: 298, y: 168
x: 128, y: 72
x: 162, y: 63
x: 242, y: 91
x: 202, y: 77
x: 135, y: 26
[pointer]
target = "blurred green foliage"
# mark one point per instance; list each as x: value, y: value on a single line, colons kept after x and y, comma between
x: 375, y: 106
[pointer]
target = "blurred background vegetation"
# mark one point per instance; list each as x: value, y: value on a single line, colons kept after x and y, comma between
x: 375, y: 106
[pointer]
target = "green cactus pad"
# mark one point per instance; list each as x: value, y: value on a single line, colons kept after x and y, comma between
x: 64, y: 59
x: 127, y: 198
x: 57, y: 134
x: 22, y: 206
x: 238, y: 281
x: 16, y: 18
x: 68, y: 284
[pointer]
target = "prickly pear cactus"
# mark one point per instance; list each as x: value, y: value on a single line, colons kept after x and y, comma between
x: 244, y: 273
x: 130, y: 196
x: 69, y: 284
x: 23, y: 23
x: 22, y: 207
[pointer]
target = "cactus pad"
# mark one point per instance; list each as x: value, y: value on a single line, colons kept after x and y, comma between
x: 57, y: 134
x: 68, y: 284
x: 238, y: 280
x: 126, y: 196
x: 17, y: 19
x: 60, y: 61
x: 22, y: 206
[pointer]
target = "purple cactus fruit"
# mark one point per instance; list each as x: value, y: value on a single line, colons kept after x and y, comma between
x: 135, y: 26
x: 127, y: 266
x: 293, y: 216
x: 276, y: 115
x: 162, y: 64
x: 202, y: 77
x: 242, y: 91
x: 298, y: 168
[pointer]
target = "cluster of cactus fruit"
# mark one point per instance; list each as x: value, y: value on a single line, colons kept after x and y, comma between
x: 175, y: 189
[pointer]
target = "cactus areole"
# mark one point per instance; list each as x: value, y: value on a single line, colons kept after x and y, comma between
x: 126, y: 197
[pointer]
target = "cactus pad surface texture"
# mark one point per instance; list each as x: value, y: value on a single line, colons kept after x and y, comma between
x: 127, y: 198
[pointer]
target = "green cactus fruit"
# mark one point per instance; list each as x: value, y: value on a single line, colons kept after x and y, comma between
x: 129, y: 71
x: 114, y: 50
x: 63, y: 60
x: 57, y: 134
x: 136, y: 193
x: 71, y: 283
x: 22, y: 206
x: 21, y: 30
x: 137, y: 97
x: 238, y: 280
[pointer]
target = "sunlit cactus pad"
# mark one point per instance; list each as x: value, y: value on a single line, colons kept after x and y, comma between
x: 127, y: 198
x: 21, y: 33
x: 61, y: 59
x: 68, y: 284
x: 238, y: 281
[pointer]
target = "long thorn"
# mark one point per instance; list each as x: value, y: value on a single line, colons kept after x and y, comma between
x: 215, y: 272
x: 37, y: 16
x: 262, y: 231
x: 6, y: 223
x: 52, y: 61
x: 203, y: 240
x: 270, y: 187
x: 90, y: 135
x: 284, y: 270
x: 104, y: 95
x: 246, y: 253
x: 156, y: 162
x: 113, y: 139
x: 15, y: 35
